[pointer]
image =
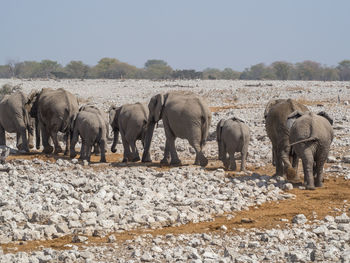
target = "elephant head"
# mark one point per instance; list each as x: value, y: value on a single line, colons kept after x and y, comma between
x: 32, y: 108
x: 218, y: 139
x: 113, y: 113
x: 155, y: 107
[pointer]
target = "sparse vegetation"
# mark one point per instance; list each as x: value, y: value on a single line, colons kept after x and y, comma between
x: 112, y: 68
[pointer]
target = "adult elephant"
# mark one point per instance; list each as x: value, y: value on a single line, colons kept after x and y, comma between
x: 310, y: 137
x: 131, y: 121
x: 14, y: 118
x: 278, y: 132
x: 184, y: 115
x: 53, y: 111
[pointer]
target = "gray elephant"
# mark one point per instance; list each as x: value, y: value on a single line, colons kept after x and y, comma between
x: 184, y: 115
x: 278, y: 132
x: 131, y: 121
x: 310, y: 137
x: 14, y: 117
x: 53, y: 111
x: 232, y: 136
x: 90, y: 124
x: 93, y: 108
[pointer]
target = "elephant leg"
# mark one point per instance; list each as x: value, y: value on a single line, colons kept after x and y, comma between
x: 2, y: 136
x: 287, y: 167
x: 19, y: 142
x: 146, y: 157
x: 200, y: 158
x: 308, y: 167
x: 127, y: 153
x: 135, y: 152
x: 279, y: 163
x: 232, y: 162
x: 30, y: 140
x: 23, y: 139
x: 97, y: 148
x: 75, y: 137
x: 58, y: 148
x: 244, y: 155
x: 166, y: 157
x: 173, y: 154
x: 82, y: 150
x: 102, y: 145
x: 319, y: 172
x: 274, y: 154
x: 88, y: 151
x: 68, y: 141
x: 45, y: 138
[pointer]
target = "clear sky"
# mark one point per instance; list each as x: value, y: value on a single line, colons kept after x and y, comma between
x: 185, y: 33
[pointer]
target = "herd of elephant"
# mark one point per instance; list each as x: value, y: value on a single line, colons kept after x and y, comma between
x: 294, y: 131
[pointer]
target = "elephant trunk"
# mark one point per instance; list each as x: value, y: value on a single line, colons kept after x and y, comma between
x: 115, y: 141
x: 148, y: 138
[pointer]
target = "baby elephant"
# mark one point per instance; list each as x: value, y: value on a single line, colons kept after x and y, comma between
x: 232, y: 136
x: 92, y: 128
x: 310, y: 137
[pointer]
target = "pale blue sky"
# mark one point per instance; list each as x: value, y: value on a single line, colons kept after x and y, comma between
x: 185, y: 33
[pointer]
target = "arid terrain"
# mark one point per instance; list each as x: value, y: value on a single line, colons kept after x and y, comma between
x: 55, y: 209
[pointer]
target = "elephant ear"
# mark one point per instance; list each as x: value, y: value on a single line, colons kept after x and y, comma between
x: 219, y: 129
x: 292, y: 117
x: 325, y: 115
x: 156, y: 107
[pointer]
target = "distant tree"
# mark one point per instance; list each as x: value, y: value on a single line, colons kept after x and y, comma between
x: 282, y: 69
x: 5, y: 72
x: 229, y: 73
x: 258, y: 72
x: 157, y: 69
x: 153, y: 62
x: 77, y: 69
x: 30, y: 69
x: 48, y: 67
x: 344, y: 70
x: 330, y: 74
x: 211, y: 73
x: 186, y: 74
x: 309, y: 70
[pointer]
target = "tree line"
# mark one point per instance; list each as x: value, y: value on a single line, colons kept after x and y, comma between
x: 112, y: 68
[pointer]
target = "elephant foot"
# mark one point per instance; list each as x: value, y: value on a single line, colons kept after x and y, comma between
x: 164, y: 161
x: 310, y: 187
x: 318, y: 184
x: 103, y: 160
x: 176, y: 162
x: 57, y: 150
x: 48, y: 150
x: 204, y: 162
x: 136, y: 159
x: 292, y: 175
x: 72, y: 155
x: 31, y: 146
x: 125, y: 160
x: 146, y: 159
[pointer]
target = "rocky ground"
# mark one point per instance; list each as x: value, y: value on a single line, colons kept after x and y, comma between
x: 53, y: 209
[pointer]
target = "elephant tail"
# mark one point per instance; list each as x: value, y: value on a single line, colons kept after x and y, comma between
x: 305, y: 140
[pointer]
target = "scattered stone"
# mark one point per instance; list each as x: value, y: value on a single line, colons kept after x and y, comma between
x: 79, y: 239
x: 299, y: 219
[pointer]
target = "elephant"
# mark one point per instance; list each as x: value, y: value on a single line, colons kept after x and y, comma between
x: 94, y: 108
x: 310, y: 137
x: 278, y: 133
x: 131, y: 121
x: 14, y: 117
x: 184, y: 115
x: 53, y: 111
x: 90, y: 124
x: 232, y: 136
